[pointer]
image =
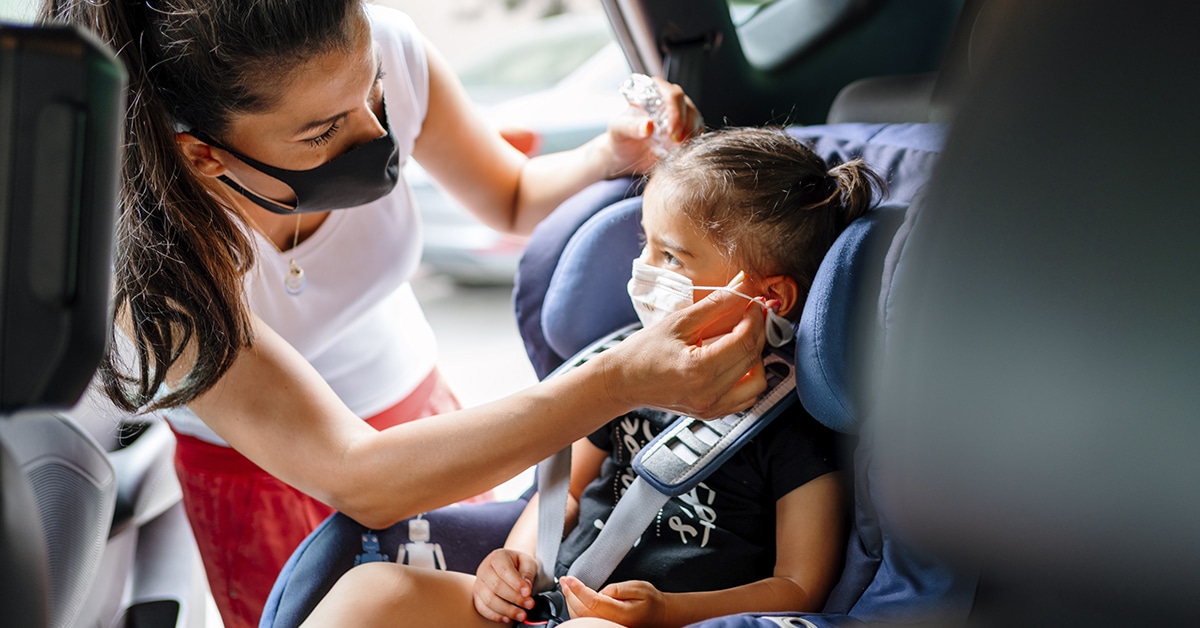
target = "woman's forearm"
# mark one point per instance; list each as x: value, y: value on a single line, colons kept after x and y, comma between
x: 548, y: 180
x: 277, y: 411
x: 454, y: 456
x: 274, y: 408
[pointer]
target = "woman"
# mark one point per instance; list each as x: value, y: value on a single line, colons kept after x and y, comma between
x: 264, y: 326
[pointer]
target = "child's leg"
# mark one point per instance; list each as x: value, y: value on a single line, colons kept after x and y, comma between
x: 387, y: 594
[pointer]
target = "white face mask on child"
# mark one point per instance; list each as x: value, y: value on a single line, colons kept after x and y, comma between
x: 656, y: 292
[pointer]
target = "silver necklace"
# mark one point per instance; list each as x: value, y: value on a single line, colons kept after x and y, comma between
x: 294, y: 281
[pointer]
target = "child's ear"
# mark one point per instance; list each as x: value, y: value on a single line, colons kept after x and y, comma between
x: 783, y: 289
x: 201, y: 155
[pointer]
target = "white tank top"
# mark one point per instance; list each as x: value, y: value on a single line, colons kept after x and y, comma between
x: 357, y: 320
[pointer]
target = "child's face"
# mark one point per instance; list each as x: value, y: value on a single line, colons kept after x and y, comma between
x: 674, y: 243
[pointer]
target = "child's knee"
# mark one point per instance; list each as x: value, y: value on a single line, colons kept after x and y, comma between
x: 361, y: 597
x: 381, y: 577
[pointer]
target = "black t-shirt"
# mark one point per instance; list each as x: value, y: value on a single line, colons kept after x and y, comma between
x: 722, y: 533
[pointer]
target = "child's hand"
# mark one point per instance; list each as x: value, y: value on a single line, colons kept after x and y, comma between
x: 632, y: 603
x: 504, y: 585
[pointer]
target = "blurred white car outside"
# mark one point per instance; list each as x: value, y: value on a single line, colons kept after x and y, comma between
x: 558, y: 82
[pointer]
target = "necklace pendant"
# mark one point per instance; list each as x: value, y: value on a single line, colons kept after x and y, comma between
x: 295, y: 281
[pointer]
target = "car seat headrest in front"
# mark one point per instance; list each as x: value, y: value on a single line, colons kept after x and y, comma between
x: 1044, y: 356
x: 61, y: 114
x: 884, y: 99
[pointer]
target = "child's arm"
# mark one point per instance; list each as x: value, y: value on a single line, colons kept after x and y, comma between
x: 586, y: 460
x: 810, y: 538
x: 504, y: 580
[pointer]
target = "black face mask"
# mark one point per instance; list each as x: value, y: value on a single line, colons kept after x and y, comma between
x: 363, y: 174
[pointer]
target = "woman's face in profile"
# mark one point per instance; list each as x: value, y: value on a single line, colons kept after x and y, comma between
x: 327, y: 105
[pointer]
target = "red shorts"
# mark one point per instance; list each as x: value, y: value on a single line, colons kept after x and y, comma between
x: 247, y: 523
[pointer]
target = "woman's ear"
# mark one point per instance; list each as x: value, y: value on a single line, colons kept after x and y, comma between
x: 200, y: 155
x: 783, y: 289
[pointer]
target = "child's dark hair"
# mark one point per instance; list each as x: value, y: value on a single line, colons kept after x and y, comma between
x: 180, y: 252
x: 767, y: 198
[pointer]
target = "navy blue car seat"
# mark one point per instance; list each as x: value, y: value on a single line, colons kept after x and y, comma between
x: 570, y: 290
x: 567, y: 299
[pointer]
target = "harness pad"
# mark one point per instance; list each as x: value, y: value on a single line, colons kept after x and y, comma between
x: 691, y: 449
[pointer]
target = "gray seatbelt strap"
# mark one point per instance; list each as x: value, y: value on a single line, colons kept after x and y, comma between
x: 554, y: 480
x: 554, y: 475
x: 629, y: 519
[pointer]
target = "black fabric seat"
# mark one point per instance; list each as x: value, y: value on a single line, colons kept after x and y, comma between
x: 926, y: 97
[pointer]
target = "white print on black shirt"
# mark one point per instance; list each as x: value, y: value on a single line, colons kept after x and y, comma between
x: 696, y: 505
x: 701, y: 512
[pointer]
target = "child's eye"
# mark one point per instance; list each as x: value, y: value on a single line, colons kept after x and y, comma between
x: 671, y: 260
x: 324, y: 138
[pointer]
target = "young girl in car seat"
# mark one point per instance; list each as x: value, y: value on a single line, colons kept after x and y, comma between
x: 762, y: 533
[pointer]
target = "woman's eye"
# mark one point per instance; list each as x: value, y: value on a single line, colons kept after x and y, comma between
x: 324, y: 138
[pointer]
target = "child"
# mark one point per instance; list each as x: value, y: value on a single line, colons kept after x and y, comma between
x: 763, y: 533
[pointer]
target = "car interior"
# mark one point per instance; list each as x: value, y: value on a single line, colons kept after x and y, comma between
x: 93, y: 529
x: 1004, y: 344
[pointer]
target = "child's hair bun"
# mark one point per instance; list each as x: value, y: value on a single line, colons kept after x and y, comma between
x: 858, y: 186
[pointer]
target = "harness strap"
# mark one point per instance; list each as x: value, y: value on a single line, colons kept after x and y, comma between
x: 624, y: 526
x: 554, y: 480
x: 554, y: 475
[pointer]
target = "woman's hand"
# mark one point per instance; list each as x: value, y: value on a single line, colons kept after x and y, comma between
x: 634, y: 603
x: 631, y: 138
x: 504, y: 585
x: 704, y: 361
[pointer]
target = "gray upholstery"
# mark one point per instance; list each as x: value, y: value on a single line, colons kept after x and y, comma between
x: 1043, y: 389
x: 885, y: 99
x: 22, y: 553
x: 74, y: 489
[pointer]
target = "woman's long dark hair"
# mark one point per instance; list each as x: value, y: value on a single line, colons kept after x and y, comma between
x: 180, y: 251
x: 767, y: 198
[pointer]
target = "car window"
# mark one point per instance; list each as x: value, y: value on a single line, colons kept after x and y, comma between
x: 538, y: 58
x: 18, y: 11
x: 774, y: 31
x: 742, y: 10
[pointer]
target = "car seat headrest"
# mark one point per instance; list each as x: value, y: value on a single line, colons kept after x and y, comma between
x: 587, y: 297
x: 840, y: 322
x: 926, y: 97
